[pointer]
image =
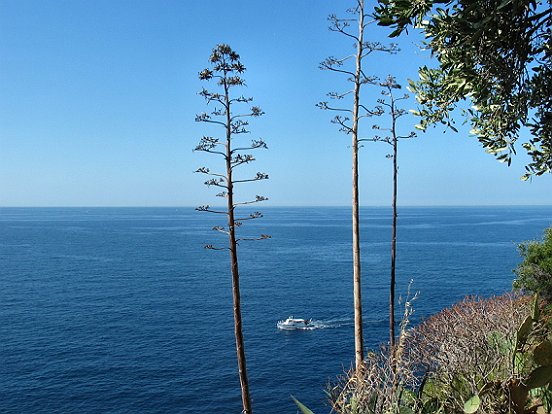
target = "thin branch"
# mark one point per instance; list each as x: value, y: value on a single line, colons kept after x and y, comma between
x: 370, y: 47
x: 255, y: 144
x: 211, y: 247
x: 238, y: 127
x: 198, y: 148
x: 368, y: 79
x: 241, y: 159
x: 336, y: 95
x: 372, y: 112
x: 325, y: 106
x: 252, y: 216
x: 411, y: 135
x: 261, y: 237
x: 258, y: 177
x: 217, y: 99
x: 207, y: 144
x: 241, y: 99
x: 210, y: 141
x: 243, y: 149
x: 386, y: 140
x: 341, y: 121
x: 221, y: 229
x: 332, y: 61
x: 216, y: 182
x: 255, y: 112
x: 383, y: 102
x: 368, y: 22
x: 339, y: 25
x: 208, y: 209
x: 204, y: 117
x: 336, y: 70
x: 258, y: 199
x: 204, y: 170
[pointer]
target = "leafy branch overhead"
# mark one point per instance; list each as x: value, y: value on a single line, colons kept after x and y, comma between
x: 496, y: 57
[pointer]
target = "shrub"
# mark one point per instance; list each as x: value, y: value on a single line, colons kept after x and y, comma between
x: 479, y: 356
x: 383, y: 384
x: 464, y: 347
x: 534, y: 274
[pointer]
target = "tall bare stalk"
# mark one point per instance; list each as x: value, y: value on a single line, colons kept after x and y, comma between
x: 226, y: 70
x: 349, y: 123
x: 388, y: 105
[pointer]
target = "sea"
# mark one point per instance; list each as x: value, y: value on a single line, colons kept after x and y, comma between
x: 123, y: 310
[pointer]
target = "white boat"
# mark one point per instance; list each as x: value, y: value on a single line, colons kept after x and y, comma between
x: 292, y: 323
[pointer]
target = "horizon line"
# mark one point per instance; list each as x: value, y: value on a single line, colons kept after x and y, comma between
x: 286, y: 206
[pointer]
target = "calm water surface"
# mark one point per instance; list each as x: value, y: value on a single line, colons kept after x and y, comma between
x: 122, y: 310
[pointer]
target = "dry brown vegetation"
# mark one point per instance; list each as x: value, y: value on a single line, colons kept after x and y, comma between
x: 473, y: 348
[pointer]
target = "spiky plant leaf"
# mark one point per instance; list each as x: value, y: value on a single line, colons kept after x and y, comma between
x: 301, y: 406
x: 472, y: 405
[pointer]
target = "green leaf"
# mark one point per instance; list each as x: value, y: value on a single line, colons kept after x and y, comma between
x: 472, y: 405
x: 536, y: 309
x: 540, y: 377
x: 524, y: 331
x: 543, y: 353
x: 385, y: 21
x: 302, y: 407
x: 496, y: 150
x: 504, y: 4
x: 431, y: 407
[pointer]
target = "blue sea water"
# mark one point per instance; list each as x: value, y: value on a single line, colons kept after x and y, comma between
x: 121, y: 310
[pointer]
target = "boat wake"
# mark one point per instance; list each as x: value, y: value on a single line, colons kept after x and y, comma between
x: 332, y: 323
x: 313, y: 324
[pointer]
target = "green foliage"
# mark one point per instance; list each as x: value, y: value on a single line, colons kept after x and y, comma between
x: 494, y: 55
x: 534, y: 274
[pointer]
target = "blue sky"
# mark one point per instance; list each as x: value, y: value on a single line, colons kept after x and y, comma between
x: 98, y: 98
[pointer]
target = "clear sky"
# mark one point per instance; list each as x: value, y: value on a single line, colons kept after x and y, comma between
x: 98, y: 98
